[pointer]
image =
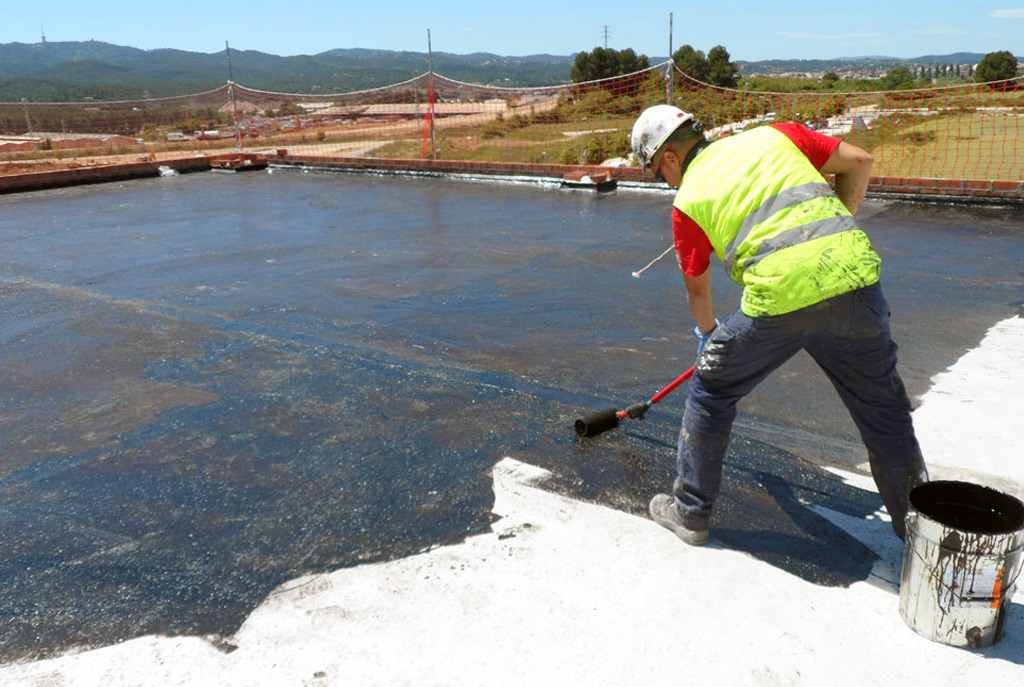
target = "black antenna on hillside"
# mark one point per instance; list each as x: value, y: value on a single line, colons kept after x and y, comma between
x: 42, y: 31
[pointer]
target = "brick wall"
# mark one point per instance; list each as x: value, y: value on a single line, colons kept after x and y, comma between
x: 34, y: 181
x: 962, y: 189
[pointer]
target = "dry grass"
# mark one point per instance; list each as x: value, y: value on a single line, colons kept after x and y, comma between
x: 961, y: 146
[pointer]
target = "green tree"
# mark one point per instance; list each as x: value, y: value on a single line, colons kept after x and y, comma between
x: 715, y: 68
x: 721, y: 71
x: 692, y: 62
x: 630, y: 62
x: 605, y: 63
x: 830, y: 79
x: 996, y: 66
x: 898, y: 79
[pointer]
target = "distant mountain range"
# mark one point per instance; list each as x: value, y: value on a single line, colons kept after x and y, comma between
x: 80, y: 70
x: 867, y: 64
x: 94, y: 70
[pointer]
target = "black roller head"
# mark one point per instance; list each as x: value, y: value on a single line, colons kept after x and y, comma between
x: 594, y: 424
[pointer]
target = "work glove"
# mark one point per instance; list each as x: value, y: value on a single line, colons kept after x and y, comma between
x: 702, y: 338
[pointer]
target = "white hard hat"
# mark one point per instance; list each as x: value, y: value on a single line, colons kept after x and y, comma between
x: 652, y: 129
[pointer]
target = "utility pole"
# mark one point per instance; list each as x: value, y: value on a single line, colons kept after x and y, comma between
x: 431, y: 97
x: 28, y: 119
x: 231, y: 71
x: 231, y: 96
x: 670, y: 69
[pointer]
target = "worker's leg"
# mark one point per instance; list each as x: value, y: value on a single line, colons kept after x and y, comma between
x: 857, y: 353
x: 742, y: 351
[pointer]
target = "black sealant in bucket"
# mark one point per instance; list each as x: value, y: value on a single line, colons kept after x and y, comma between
x: 961, y: 561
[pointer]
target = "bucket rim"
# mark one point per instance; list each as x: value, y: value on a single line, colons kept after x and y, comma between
x: 1007, y: 506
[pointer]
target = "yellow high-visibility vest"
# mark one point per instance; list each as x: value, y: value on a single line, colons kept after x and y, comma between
x: 775, y: 223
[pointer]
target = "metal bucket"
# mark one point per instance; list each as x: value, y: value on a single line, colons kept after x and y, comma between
x: 960, y: 562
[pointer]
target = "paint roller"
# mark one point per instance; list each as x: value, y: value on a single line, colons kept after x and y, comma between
x: 602, y: 421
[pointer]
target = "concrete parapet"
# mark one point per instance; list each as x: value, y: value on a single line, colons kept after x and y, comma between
x: 912, y: 188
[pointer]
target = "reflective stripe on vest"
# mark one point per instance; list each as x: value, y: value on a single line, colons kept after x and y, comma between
x: 756, y: 196
x: 788, y: 237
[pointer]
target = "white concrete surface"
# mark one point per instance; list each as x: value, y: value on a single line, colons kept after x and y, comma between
x: 972, y: 418
x: 568, y: 593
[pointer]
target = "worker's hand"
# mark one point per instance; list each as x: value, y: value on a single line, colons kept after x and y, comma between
x: 702, y: 338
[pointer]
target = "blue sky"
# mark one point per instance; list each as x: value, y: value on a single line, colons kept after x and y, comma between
x: 795, y: 29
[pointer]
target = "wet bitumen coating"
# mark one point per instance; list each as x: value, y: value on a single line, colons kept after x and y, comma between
x: 216, y: 383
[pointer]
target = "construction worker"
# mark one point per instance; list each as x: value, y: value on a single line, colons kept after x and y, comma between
x: 759, y: 201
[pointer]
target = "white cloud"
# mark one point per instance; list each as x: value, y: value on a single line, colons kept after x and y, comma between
x: 1007, y: 14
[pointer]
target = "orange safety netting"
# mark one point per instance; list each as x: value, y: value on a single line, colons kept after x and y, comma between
x: 973, y: 131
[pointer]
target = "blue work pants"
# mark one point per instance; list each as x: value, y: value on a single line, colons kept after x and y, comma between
x: 848, y: 336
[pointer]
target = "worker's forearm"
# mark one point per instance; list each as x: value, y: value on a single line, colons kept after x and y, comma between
x: 703, y: 311
x: 851, y: 188
x: 698, y: 295
x: 852, y: 169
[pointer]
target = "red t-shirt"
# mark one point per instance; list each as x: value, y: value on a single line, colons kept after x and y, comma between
x: 693, y: 249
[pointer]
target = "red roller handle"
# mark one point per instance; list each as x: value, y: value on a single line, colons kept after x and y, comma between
x: 672, y: 386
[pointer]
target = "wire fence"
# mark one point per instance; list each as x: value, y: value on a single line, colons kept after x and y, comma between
x: 972, y: 131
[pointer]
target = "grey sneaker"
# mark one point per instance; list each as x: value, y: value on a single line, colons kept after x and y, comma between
x: 664, y: 512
